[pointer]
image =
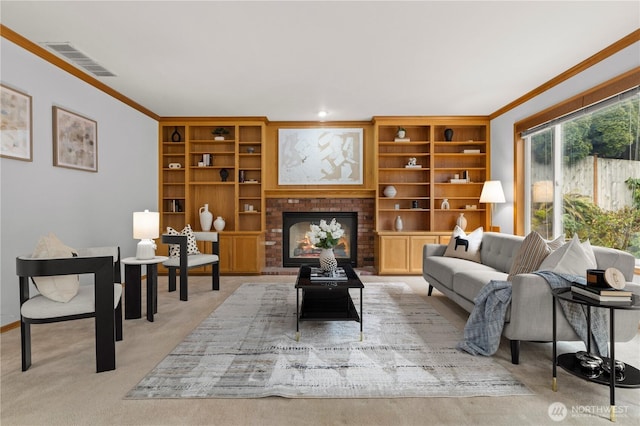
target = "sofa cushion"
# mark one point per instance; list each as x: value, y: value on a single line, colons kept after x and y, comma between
x: 469, y: 283
x: 572, y: 258
x: 465, y: 246
x: 443, y: 268
x: 498, y: 250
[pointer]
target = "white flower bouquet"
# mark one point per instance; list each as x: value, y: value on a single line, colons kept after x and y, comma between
x: 326, y: 235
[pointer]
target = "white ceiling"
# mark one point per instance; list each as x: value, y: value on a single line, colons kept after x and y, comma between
x: 288, y: 60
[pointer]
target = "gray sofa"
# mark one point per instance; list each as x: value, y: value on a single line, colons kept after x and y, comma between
x: 529, y: 317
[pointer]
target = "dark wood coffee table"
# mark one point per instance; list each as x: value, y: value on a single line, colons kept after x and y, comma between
x: 327, y: 300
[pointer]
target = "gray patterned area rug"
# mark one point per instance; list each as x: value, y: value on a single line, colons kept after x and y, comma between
x: 247, y: 348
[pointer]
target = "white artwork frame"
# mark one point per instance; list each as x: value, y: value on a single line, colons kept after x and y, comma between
x: 320, y: 156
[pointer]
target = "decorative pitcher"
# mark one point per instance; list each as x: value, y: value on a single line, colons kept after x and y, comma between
x: 206, y: 218
x: 328, y: 260
x: 219, y: 223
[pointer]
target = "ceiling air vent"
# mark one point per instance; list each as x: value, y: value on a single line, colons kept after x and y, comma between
x: 80, y: 59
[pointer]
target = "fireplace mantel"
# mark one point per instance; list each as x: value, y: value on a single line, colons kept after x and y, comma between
x: 323, y: 193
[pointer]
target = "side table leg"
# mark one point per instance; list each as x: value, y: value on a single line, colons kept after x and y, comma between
x: 554, y: 383
x: 152, y: 290
x: 612, y: 366
x: 132, y: 291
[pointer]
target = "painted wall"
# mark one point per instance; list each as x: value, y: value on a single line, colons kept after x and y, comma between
x: 83, y: 209
x: 502, y: 126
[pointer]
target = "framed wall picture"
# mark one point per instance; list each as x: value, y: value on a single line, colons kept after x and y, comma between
x: 320, y: 156
x: 15, y: 129
x: 75, y: 141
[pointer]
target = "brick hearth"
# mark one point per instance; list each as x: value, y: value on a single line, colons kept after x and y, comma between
x: 275, y: 207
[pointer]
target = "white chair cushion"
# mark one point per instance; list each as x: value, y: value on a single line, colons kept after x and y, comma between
x: 39, y: 307
x: 206, y: 236
x: 99, y: 251
x: 192, y: 260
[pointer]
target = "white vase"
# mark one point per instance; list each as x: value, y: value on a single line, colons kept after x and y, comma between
x: 390, y: 191
x: 445, y: 204
x: 219, y: 223
x: 462, y: 221
x: 328, y: 260
x: 398, y: 225
x: 206, y: 218
x: 401, y: 134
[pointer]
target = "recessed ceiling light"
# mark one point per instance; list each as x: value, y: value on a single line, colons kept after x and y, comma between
x: 322, y: 114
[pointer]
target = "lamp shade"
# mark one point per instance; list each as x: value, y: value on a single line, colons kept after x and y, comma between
x: 492, y: 192
x: 146, y: 225
x: 542, y: 191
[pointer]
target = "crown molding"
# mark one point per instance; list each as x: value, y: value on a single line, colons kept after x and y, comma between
x: 41, y: 52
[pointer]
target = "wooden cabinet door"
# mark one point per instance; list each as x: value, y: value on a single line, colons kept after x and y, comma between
x: 416, y: 247
x: 240, y: 254
x: 226, y: 253
x: 394, y: 254
x: 245, y: 254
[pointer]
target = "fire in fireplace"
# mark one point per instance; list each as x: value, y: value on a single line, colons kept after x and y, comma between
x: 296, y: 248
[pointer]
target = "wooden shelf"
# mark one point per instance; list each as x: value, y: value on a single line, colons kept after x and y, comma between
x: 194, y: 186
x: 441, y: 160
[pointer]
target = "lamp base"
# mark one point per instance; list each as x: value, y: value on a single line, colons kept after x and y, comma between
x: 146, y: 249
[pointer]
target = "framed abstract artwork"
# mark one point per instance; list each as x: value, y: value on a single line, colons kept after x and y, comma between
x: 16, y: 125
x: 75, y: 141
x: 320, y: 156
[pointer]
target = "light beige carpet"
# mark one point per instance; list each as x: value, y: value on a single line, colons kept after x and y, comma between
x: 62, y: 388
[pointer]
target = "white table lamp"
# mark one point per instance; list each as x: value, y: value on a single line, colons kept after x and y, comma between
x: 492, y: 193
x: 146, y: 227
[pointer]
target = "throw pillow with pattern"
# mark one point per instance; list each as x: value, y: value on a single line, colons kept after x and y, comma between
x: 465, y: 246
x: 192, y: 246
x: 533, y: 250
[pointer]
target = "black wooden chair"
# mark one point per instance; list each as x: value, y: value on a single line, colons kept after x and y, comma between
x: 100, y: 300
x: 187, y: 261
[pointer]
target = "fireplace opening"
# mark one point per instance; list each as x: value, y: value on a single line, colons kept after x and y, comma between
x: 296, y: 248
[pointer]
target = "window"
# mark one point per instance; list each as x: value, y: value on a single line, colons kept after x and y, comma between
x: 582, y: 172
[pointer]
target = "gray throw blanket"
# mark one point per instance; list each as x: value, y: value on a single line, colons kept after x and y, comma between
x: 576, y: 313
x: 484, y: 327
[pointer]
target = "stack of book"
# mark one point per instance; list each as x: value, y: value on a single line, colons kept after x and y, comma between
x: 600, y: 294
x: 318, y: 274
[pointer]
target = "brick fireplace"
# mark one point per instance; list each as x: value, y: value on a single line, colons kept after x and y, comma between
x: 276, y: 206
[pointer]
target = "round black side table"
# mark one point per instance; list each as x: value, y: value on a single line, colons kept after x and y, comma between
x: 570, y: 363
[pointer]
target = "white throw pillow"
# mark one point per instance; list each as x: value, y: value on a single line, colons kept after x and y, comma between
x: 465, y: 246
x: 572, y: 258
x: 61, y: 288
x: 192, y: 246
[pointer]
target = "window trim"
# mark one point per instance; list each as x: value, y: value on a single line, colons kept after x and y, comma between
x: 598, y: 93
